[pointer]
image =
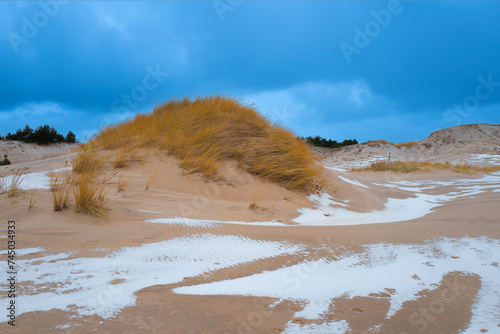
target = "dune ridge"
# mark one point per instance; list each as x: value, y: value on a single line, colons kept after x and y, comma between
x: 208, y: 131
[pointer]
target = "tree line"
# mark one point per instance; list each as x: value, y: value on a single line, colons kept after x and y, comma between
x: 323, y: 142
x: 44, y: 134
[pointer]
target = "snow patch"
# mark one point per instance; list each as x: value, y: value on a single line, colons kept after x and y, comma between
x: 104, y: 285
x: 354, y: 182
x: 39, y: 180
x: 396, y: 209
x: 407, y: 269
x: 25, y: 251
x: 207, y: 223
x: 145, y: 211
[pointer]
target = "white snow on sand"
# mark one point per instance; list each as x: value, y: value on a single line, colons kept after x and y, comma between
x: 105, y: 285
x: 354, y: 163
x: 329, y: 211
x: 408, y: 269
x: 324, y: 328
x: 395, y: 209
x: 207, y: 223
x: 335, y: 168
x: 354, y: 182
x: 25, y: 251
x: 39, y: 180
x: 145, y: 211
x: 479, y: 160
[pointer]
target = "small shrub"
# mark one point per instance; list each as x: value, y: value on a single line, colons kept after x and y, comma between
x: 5, y: 161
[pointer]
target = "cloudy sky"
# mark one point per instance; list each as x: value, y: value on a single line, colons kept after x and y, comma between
x: 364, y: 70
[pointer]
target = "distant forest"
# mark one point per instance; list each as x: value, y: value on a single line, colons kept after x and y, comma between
x: 323, y: 142
x: 42, y: 135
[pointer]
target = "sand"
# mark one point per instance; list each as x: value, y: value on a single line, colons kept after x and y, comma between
x: 476, y: 144
x: 372, y: 253
x: 19, y: 152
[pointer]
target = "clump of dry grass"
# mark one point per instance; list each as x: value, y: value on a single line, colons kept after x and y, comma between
x: 122, y: 183
x: 205, y: 132
x: 10, y: 181
x: 377, y: 143
x: 466, y: 169
x: 89, y: 191
x: 490, y: 169
x: 151, y: 177
x: 89, y: 195
x: 254, y: 203
x: 60, y: 193
x: 149, y: 181
x: 413, y: 166
x: 396, y: 166
x: 256, y: 206
x: 123, y: 158
x: 33, y: 201
x: 408, y: 144
x: 88, y: 160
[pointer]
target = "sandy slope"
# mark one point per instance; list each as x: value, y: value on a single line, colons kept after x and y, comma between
x: 19, y: 152
x: 424, y: 260
x: 477, y: 144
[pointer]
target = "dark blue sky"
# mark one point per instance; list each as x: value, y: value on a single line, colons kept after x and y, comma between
x: 364, y: 70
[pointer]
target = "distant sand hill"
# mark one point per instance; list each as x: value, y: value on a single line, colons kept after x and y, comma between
x: 472, y: 138
x: 477, y: 144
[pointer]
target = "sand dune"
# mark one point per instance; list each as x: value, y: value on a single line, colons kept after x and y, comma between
x: 477, y: 144
x: 19, y: 152
x: 369, y: 253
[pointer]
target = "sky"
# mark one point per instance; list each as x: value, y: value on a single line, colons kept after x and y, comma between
x: 359, y: 70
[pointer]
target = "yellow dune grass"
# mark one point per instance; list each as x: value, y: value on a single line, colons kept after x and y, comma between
x: 207, y: 131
